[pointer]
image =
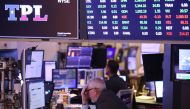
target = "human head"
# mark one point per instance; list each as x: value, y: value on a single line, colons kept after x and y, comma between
x: 95, y: 87
x: 112, y: 67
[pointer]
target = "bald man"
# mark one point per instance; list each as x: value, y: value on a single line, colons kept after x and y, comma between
x: 104, y: 99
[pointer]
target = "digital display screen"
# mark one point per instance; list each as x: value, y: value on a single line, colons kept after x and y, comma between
x: 64, y: 78
x: 78, y: 57
x: 159, y: 89
x: 138, y: 19
x: 39, y: 19
x: 84, y: 75
x: 184, y: 59
x: 34, y: 69
x: 110, y: 53
x: 36, y: 98
x: 49, y: 66
x: 180, y: 62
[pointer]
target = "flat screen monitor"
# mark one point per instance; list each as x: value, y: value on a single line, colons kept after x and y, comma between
x: 131, y: 58
x: 99, y: 57
x: 150, y: 86
x: 84, y: 75
x: 78, y: 57
x: 34, y: 68
x: 39, y: 19
x: 36, y: 94
x: 64, y: 78
x: 152, y: 64
x: 111, y: 53
x: 180, y: 62
x: 159, y: 90
x: 48, y: 67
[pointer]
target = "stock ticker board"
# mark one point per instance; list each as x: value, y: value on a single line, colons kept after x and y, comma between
x: 138, y: 19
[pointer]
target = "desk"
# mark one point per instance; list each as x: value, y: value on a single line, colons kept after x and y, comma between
x: 147, y: 103
x: 76, y: 106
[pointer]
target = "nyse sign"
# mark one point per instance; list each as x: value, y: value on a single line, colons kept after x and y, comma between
x: 63, y: 1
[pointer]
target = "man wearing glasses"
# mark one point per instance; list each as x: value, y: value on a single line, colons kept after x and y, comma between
x: 104, y: 99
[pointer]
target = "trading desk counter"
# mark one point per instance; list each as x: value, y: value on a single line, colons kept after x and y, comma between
x: 76, y: 106
x: 147, y: 102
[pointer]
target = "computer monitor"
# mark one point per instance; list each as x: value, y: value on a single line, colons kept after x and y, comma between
x: 79, y: 57
x: 111, y: 53
x: 36, y: 94
x: 84, y: 75
x: 180, y: 59
x: 152, y: 64
x: 64, y: 78
x: 99, y: 57
x: 48, y: 67
x: 159, y: 90
x: 34, y: 63
x: 131, y: 58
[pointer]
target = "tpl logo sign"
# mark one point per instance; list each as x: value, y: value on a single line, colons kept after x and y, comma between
x: 25, y: 10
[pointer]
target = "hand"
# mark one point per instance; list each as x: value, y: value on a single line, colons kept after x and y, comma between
x: 84, y: 95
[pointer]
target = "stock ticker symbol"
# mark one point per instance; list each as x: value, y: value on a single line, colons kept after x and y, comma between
x: 63, y: 1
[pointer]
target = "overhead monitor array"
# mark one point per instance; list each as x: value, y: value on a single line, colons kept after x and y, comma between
x: 39, y: 19
x: 138, y: 19
x: 96, y: 19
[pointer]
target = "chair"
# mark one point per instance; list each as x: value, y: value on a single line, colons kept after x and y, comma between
x: 126, y: 95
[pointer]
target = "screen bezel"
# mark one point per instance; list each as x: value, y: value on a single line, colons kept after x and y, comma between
x: 174, y: 59
x: 41, y: 77
x: 65, y: 69
x: 78, y: 47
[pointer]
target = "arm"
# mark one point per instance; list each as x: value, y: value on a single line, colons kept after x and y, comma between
x: 85, y: 97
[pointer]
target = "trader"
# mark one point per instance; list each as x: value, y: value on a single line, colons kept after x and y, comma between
x: 104, y: 99
x: 114, y: 83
